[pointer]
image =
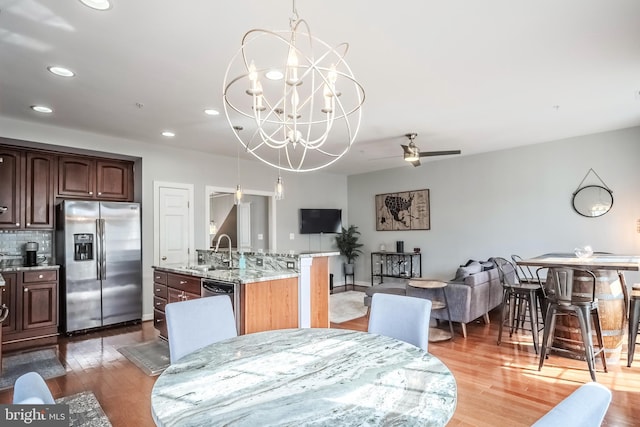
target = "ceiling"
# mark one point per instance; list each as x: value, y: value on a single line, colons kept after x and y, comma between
x: 468, y: 75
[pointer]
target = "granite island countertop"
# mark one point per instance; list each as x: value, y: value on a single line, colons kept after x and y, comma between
x: 234, y: 275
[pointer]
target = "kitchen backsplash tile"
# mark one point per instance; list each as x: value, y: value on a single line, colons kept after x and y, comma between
x: 12, y: 244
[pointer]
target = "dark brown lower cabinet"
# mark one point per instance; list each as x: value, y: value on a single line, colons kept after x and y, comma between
x: 33, y: 308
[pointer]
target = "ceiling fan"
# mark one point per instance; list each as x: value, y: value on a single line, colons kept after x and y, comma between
x: 412, y: 153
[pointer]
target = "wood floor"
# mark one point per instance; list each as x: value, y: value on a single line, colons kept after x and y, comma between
x: 497, y: 385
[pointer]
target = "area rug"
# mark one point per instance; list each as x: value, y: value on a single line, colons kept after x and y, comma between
x: 85, y: 410
x: 151, y: 356
x: 345, y: 306
x: 44, y: 362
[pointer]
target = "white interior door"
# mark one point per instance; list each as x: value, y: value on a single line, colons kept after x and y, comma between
x: 174, y: 224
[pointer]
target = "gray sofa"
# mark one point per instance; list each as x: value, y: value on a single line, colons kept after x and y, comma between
x: 470, y: 294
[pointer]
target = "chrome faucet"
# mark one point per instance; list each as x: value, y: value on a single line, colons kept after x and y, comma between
x: 218, y: 245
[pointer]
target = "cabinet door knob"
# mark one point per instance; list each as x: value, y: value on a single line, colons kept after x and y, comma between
x: 28, y: 224
x: 99, y: 193
x: 183, y: 282
x: 26, y: 289
x: 17, y: 224
x: 164, y: 258
x: 40, y: 276
x: 91, y: 193
x: 157, y: 289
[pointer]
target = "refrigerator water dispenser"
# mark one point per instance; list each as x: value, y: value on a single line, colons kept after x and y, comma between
x: 83, y: 247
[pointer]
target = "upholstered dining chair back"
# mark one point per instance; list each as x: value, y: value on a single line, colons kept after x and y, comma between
x: 401, y: 317
x: 585, y: 407
x: 30, y: 388
x: 196, y: 323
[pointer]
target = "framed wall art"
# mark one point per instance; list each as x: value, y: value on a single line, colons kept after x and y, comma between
x: 405, y: 210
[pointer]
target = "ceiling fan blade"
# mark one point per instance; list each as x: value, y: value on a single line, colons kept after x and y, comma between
x: 439, y: 153
x: 405, y: 148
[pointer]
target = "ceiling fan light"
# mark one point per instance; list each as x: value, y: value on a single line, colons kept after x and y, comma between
x: 411, y: 155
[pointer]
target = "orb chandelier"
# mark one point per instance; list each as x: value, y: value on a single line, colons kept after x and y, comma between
x: 294, y: 95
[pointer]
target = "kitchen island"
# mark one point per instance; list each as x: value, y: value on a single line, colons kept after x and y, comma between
x: 272, y: 292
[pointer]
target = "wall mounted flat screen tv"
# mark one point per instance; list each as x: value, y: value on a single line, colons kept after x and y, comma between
x: 315, y: 221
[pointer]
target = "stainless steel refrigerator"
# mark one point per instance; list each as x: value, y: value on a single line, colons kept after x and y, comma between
x: 98, y: 248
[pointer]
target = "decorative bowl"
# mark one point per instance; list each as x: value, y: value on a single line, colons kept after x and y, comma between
x: 583, y: 252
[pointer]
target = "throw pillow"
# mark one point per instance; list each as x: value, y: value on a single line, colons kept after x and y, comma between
x: 487, y: 265
x: 462, y: 272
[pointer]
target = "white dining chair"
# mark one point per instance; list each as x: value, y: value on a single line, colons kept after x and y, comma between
x: 31, y: 389
x: 401, y: 317
x: 585, y: 407
x: 196, y: 323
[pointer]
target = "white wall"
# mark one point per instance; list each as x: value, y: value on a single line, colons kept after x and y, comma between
x: 169, y: 164
x: 515, y: 201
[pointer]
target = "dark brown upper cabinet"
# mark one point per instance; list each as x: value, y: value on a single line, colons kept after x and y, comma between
x: 26, y: 189
x: 92, y: 178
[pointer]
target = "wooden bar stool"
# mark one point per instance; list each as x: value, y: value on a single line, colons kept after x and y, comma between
x: 634, y: 319
x: 424, y: 288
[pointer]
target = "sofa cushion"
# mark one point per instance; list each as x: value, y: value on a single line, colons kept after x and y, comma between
x: 481, y: 277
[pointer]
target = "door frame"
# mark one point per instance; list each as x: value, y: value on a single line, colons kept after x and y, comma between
x: 156, y: 218
x: 209, y: 189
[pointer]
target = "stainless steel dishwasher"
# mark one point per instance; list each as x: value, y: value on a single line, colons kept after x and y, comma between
x: 213, y: 287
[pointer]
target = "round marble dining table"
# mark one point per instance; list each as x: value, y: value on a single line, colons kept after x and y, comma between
x: 305, y: 377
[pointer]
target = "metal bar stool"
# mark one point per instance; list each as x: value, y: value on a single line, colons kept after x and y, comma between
x: 634, y: 319
x: 569, y: 295
x: 425, y: 288
x: 518, y: 300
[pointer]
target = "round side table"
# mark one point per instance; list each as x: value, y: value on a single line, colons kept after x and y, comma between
x: 435, y: 334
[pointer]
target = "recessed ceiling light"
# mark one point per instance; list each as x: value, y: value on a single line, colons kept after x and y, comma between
x: 168, y: 134
x: 41, y: 109
x: 97, y: 4
x: 274, y: 75
x: 211, y: 112
x: 61, y: 71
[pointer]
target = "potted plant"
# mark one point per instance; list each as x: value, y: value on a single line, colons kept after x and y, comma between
x: 347, y: 242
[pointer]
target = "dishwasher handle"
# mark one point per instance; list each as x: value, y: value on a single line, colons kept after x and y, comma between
x: 218, y: 288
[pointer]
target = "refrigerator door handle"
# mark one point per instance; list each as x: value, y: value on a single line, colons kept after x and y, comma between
x: 103, y: 257
x: 98, y: 250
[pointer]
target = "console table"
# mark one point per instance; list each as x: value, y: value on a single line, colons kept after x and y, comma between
x: 403, y: 265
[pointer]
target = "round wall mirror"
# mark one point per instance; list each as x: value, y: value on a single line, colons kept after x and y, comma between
x: 592, y: 201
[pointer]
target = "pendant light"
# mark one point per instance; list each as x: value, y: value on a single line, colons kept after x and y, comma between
x: 279, y: 186
x: 237, y: 197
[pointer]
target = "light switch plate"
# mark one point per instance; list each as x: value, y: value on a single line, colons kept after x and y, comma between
x: 291, y: 264
x: 259, y: 262
x: 292, y: 236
